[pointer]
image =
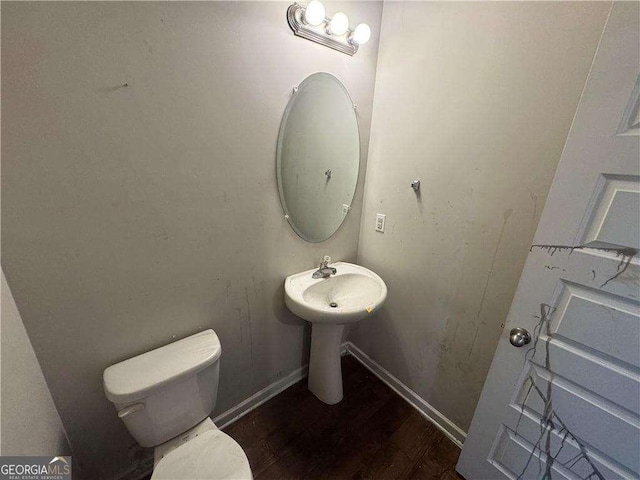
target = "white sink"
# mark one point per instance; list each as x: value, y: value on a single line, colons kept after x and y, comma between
x: 351, y: 294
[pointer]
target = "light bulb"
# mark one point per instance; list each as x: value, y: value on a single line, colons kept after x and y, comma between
x: 339, y: 24
x: 314, y: 13
x: 361, y: 34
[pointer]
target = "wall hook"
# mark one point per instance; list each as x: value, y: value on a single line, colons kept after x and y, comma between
x: 415, y: 185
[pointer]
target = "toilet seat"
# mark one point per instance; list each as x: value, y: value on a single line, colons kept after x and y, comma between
x: 212, y: 455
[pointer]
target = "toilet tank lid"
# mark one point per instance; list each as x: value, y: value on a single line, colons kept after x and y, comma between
x: 132, y: 379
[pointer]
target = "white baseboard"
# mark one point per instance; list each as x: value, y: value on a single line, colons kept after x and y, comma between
x: 451, y: 430
x: 235, y: 413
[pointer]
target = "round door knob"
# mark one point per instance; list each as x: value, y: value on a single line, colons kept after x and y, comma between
x: 519, y: 337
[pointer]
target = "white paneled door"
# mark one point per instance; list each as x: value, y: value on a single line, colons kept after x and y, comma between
x: 567, y: 404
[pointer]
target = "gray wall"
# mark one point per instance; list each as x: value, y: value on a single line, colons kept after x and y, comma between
x: 135, y: 215
x: 474, y: 99
x: 30, y: 422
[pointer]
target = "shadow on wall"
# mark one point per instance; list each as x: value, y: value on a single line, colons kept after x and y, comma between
x: 384, y: 323
x: 30, y: 422
x: 286, y: 317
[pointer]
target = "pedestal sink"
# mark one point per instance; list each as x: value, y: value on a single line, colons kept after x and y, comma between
x: 350, y: 295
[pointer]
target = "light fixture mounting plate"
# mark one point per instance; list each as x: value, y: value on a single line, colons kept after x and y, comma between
x: 317, y: 34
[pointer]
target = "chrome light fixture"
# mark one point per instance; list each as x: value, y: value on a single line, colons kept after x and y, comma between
x: 310, y: 22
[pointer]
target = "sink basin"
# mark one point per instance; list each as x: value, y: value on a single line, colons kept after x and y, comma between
x: 352, y: 294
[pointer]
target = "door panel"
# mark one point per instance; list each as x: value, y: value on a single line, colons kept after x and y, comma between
x: 588, y: 370
x: 611, y: 219
x: 602, y: 323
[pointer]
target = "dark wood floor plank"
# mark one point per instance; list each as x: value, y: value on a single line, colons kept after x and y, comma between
x: 337, y: 438
x: 371, y: 434
x: 314, y: 414
x: 438, y: 461
x: 451, y: 474
x: 294, y: 462
x: 258, y: 423
x: 415, y: 436
x: 443, y: 450
x: 260, y: 456
x: 350, y: 446
x: 389, y: 462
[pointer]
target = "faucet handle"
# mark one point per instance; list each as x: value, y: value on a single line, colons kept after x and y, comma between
x: 325, y: 261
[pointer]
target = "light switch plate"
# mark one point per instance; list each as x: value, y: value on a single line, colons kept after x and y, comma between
x: 381, y: 219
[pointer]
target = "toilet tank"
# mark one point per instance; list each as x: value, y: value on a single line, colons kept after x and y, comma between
x: 162, y: 393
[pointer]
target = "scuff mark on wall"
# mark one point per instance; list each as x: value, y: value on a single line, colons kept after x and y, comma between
x: 239, y: 310
x: 253, y: 282
x: 506, y: 214
x: 246, y: 295
x: 534, y: 198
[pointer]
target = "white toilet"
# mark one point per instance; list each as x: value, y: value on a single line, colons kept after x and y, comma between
x: 164, y: 397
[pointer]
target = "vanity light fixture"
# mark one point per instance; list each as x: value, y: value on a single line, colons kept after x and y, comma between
x: 310, y: 22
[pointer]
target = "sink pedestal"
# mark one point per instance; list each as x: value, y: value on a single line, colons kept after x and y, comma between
x: 349, y: 295
x: 325, y: 370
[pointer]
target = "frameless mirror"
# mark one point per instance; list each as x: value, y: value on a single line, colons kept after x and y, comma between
x: 318, y: 157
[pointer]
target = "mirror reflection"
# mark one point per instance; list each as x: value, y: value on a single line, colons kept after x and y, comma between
x: 318, y: 157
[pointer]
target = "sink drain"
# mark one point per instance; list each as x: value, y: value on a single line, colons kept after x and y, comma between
x: 333, y: 304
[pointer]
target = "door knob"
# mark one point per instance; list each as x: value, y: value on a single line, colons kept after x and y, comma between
x: 519, y: 337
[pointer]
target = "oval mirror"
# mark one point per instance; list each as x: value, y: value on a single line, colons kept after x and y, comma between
x: 318, y: 157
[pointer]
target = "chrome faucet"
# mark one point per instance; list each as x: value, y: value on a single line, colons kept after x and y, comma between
x: 325, y: 271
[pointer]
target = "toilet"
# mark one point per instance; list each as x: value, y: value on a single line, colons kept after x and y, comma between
x: 164, y: 397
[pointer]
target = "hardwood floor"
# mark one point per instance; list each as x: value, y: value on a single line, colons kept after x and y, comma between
x: 371, y: 434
